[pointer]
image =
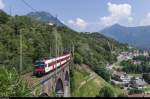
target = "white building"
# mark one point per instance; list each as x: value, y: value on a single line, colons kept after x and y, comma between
x: 122, y: 77
x: 50, y: 24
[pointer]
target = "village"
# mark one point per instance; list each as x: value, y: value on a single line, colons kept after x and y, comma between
x: 133, y: 84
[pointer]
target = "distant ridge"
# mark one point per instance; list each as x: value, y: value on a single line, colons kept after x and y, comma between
x: 45, y: 17
x: 138, y: 36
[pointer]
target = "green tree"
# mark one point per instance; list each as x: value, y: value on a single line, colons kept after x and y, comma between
x: 135, y: 91
x: 11, y: 84
x: 146, y: 77
x: 3, y: 17
x: 78, y: 59
x: 106, y: 91
x: 104, y: 73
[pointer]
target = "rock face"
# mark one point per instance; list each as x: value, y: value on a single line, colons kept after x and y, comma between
x: 45, y: 17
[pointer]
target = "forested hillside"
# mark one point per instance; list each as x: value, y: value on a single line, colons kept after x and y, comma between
x: 41, y: 40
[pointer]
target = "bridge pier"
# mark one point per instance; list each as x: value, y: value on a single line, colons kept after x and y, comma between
x: 66, y: 91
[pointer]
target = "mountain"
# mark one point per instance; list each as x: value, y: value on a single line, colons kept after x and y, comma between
x: 39, y: 41
x: 45, y: 17
x: 135, y: 36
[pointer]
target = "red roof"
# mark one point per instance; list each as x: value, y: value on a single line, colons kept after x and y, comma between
x: 139, y: 95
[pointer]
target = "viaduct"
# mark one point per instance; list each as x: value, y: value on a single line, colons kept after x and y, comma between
x: 55, y: 84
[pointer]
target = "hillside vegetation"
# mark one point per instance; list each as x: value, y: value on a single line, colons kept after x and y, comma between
x: 40, y: 40
x: 86, y: 83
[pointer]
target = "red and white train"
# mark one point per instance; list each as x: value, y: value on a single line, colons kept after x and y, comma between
x: 46, y: 65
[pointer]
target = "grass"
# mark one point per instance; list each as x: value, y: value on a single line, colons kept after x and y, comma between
x: 89, y: 89
x: 135, y: 75
x: 147, y: 88
x: 92, y: 87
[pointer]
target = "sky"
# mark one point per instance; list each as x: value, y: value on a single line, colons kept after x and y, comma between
x: 86, y: 15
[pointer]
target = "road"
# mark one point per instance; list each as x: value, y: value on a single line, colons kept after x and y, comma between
x: 116, y: 64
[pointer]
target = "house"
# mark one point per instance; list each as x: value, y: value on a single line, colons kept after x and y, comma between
x: 135, y: 62
x: 145, y: 53
x: 50, y: 23
x: 121, y: 76
x: 137, y: 83
x: 136, y: 53
x: 109, y: 67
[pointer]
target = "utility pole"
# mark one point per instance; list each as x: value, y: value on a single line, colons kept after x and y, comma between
x: 72, y: 57
x: 72, y: 50
x: 50, y: 49
x: 50, y: 46
x: 11, y: 34
x: 110, y: 48
x: 55, y: 49
x: 20, y: 51
x: 10, y: 10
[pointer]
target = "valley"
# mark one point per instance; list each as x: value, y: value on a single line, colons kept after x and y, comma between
x: 74, y: 48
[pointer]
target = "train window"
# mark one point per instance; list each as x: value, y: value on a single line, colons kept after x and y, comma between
x: 50, y: 64
x: 40, y: 64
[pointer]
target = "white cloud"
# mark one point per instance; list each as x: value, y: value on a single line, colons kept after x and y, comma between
x: 82, y: 24
x: 130, y: 19
x: 1, y: 4
x: 120, y: 9
x: 146, y: 20
x: 118, y: 12
x: 71, y: 22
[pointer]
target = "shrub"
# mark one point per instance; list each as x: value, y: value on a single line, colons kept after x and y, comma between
x: 135, y: 91
x: 11, y: 84
x: 104, y: 73
x: 106, y: 91
x: 3, y: 17
x: 122, y: 95
x: 78, y: 59
x: 146, y: 77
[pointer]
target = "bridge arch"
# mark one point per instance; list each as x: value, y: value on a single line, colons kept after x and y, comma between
x: 59, y: 90
x: 43, y: 95
x: 66, y: 76
x: 66, y: 80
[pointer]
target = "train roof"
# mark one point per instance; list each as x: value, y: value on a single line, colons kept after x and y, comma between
x: 48, y: 58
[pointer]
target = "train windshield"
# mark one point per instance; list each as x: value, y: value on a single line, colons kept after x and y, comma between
x: 39, y: 64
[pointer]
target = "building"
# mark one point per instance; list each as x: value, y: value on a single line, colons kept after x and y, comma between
x: 50, y: 23
x: 122, y: 77
x: 137, y: 83
x: 135, y: 62
x: 125, y: 56
x: 145, y: 53
x: 136, y: 53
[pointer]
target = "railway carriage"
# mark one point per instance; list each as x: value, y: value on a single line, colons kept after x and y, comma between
x: 46, y: 65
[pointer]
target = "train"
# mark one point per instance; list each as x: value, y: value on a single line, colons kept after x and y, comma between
x: 44, y: 66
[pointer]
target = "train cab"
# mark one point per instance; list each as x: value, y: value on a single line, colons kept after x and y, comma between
x: 39, y: 68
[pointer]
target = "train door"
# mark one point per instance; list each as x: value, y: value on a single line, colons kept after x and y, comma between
x: 46, y: 68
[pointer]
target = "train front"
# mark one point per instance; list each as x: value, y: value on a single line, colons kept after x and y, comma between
x: 39, y: 68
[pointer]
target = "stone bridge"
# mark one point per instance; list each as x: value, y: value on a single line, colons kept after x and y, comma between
x: 55, y: 84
